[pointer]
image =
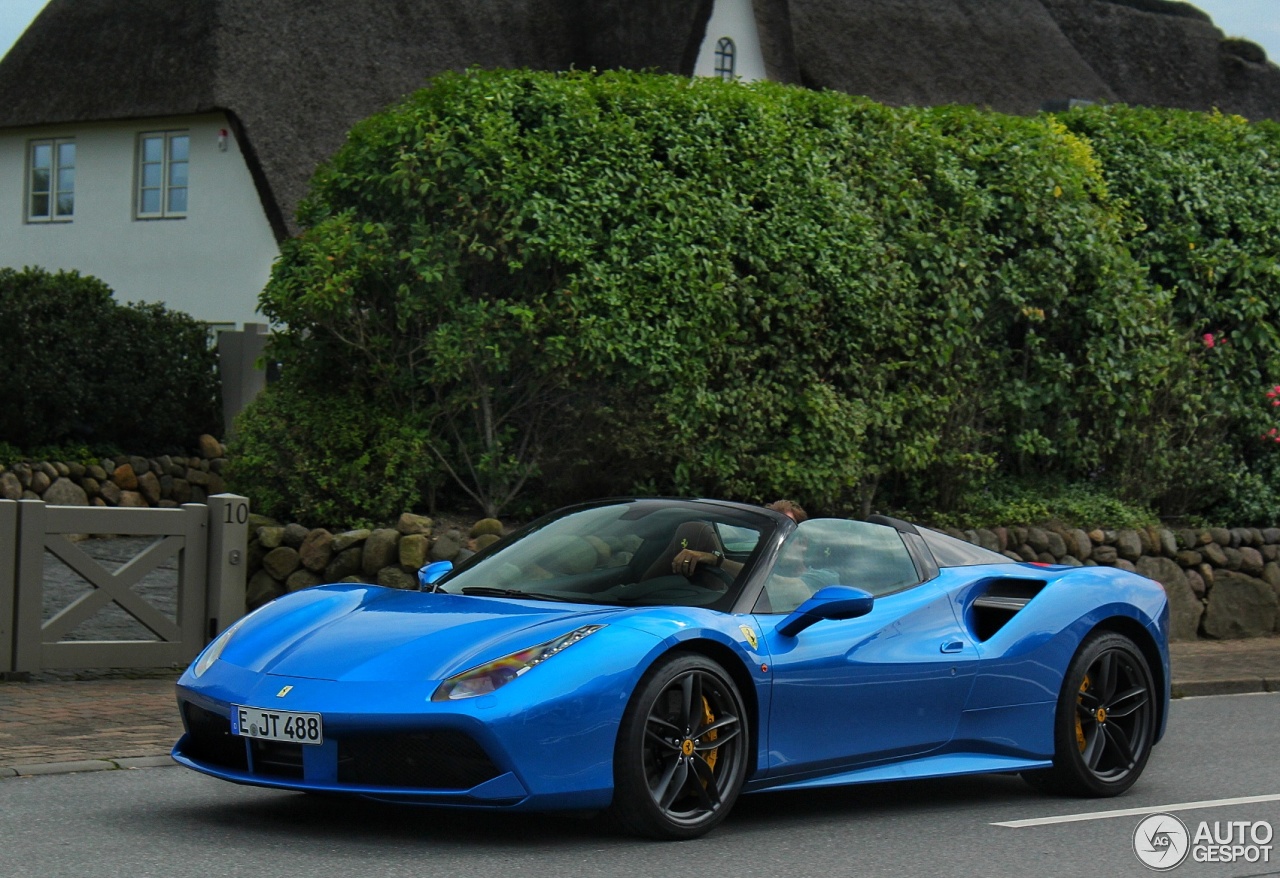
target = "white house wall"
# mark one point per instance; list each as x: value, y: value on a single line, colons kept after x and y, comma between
x: 211, y: 264
x: 735, y: 19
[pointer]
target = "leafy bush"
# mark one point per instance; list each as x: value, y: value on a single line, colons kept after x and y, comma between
x: 334, y: 458
x: 594, y: 282
x: 79, y: 368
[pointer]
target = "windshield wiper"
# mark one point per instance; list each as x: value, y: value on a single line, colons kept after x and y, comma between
x: 487, y: 591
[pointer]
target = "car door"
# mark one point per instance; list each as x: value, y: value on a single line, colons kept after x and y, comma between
x: 890, y: 684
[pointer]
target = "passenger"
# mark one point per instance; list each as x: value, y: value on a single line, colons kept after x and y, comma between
x: 686, y: 562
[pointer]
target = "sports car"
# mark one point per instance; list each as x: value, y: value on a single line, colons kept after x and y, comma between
x: 655, y: 658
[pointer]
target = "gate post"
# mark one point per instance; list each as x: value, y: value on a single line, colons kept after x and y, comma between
x: 29, y: 605
x: 8, y: 580
x: 228, y: 554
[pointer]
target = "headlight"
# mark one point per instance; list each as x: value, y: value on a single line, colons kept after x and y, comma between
x: 486, y: 678
x: 213, y: 650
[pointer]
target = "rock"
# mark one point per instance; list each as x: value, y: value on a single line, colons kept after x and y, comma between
x: 1271, y: 574
x: 1188, y: 557
x: 1240, y: 606
x: 10, y: 487
x: 257, y: 520
x: 271, y: 537
x: 1038, y: 540
x: 986, y: 538
x: 141, y: 465
x: 209, y: 447
x: 65, y: 492
x: 281, y: 561
x: 1251, y: 562
x: 111, y: 493
x: 1126, y: 564
x: 1071, y: 561
x: 197, y: 477
x: 1196, y: 581
x: 446, y: 547
x: 1185, y: 608
x: 1271, y: 536
x: 1129, y: 545
x: 149, y: 487
x: 1168, y: 542
x: 486, y: 526
x: 346, y: 563
x: 347, y: 539
x: 125, y: 478
x: 1097, y: 537
x: 1233, y: 556
x: 97, y: 472
x: 380, y: 550
x: 1027, y: 553
x: 316, y: 550
x: 181, y: 491
x: 293, y: 535
x: 40, y: 482
x: 1220, y: 535
x: 1057, y: 545
x: 261, y: 589
x: 1105, y: 554
x: 1214, y: 555
x: 91, y: 486
x: 300, y: 579
x: 394, y: 577
x: 414, y: 549
x: 409, y: 523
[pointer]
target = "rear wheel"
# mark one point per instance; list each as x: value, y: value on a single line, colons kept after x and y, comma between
x: 1105, y: 720
x: 681, y: 755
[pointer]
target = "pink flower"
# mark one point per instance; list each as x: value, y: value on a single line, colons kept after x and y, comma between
x: 1208, y: 339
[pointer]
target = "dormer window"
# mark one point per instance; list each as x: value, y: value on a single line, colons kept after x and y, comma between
x: 725, y: 51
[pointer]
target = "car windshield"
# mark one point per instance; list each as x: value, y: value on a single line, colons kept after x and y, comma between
x: 625, y: 553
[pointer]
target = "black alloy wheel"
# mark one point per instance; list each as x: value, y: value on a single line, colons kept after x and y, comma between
x: 1106, y: 720
x: 682, y: 750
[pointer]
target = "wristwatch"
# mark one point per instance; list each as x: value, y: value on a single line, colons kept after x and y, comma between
x: 719, y: 556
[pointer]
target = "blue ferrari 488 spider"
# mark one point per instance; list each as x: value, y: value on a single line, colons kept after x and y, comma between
x: 655, y: 658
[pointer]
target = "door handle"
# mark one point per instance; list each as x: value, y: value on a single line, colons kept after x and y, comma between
x: 952, y: 646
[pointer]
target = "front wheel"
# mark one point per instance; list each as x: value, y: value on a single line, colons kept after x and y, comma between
x: 682, y: 750
x: 1105, y: 721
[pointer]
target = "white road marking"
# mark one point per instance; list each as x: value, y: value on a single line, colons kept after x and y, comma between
x: 1129, y: 812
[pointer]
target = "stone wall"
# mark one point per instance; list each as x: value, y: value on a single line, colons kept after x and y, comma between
x: 1222, y: 582
x: 127, y: 481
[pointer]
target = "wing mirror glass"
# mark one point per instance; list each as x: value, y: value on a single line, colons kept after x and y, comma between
x: 832, y: 602
x: 430, y: 574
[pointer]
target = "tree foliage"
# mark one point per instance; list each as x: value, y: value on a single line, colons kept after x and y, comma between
x: 585, y: 283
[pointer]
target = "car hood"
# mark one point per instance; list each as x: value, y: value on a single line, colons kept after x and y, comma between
x: 367, y: 633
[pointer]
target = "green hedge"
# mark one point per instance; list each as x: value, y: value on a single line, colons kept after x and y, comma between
x: 77, y: 367
x: 591, y: 283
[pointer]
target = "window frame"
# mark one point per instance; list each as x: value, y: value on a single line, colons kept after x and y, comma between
x: 726, y: 59
x: 166, y: 185
x: 54, y: 191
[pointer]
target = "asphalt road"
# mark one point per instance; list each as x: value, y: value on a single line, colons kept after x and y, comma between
x: 174, y: 823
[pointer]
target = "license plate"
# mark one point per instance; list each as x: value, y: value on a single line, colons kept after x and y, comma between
x: 277, y: 725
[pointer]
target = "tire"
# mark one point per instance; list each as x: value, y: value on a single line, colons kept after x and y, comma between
x: 1105, y: 720
x: 682, y: 750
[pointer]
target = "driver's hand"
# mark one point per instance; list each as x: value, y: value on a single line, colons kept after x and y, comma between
x: 687, y: 561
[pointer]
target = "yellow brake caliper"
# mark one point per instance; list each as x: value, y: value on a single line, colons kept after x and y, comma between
x: 1084, y: 687
x: 711, y: 735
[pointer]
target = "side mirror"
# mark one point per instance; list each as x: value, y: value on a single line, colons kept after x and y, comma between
x: 832, y: 602
x: 430, y: 574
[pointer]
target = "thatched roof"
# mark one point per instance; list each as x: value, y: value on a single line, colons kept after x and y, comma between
x: 293, y: 75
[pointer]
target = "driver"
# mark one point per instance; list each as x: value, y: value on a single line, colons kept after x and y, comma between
x: 686, y: 561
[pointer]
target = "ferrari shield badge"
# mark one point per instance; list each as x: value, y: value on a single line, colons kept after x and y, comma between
x: 750, y: 634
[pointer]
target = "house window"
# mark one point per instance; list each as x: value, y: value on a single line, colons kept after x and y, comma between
x: 51, y: 182
x: 724, y: 58
x: 162, y: 174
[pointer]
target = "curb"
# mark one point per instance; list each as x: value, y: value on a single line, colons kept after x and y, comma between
x: 1236, y: 686
x: 85, y: 765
